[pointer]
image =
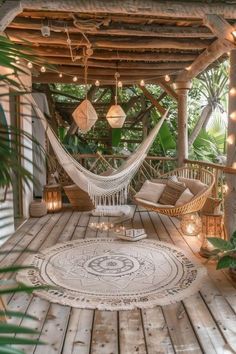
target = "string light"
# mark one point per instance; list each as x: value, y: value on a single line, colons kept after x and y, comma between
x: 17, y: 58
x: 167, y: 78
x: 188, y: 68
x: 234, y: 165
x: 120, y: 84
x: 142, y: 83
x: 43, y: 69
x: 233, y: 115
x: 30, y: 65
x: 232, y: 91
x: 60, y: 75
x: 75, y: 78
x: 97, y: 83
x: 230, y: 139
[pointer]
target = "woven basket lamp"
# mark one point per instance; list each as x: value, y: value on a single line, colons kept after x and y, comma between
x: 85, y: 116
x: 212, y: 226
x: 52, y: 197
x: 116, y: 116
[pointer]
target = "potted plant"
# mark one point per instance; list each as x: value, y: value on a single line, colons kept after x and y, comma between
x: 225, y: 253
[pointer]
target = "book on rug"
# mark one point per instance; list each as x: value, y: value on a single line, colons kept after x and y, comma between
x: 132, y: 234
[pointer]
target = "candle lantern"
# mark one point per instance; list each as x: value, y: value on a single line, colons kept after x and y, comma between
x: 191, y: 224
x: 52, y: 197
x: 212, y: 226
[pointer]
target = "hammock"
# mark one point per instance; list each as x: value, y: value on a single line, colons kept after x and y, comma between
x: 112, y: 189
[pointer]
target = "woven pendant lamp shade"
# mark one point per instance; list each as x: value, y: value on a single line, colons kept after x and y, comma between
x: 116, y: 116
x: 85, y: 116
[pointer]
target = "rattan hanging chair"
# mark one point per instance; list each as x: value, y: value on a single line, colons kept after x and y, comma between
x: 195, y: 204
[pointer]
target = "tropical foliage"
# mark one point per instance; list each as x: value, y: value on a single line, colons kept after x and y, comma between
x: 224, y: 252
x: 11, y: 145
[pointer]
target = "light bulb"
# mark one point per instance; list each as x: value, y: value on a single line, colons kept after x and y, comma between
x: 75, y: 78
x: 230, y: 139
x: 233, y: 115
x: 30, y: 65
x: 97, y: 83
x: 60, y: 75
x: 232, y: 91
x: 119, y: 84
x: 43, y: 69
x: 167, y: 78
x: 188, y: 68
x: 17, y: 58
x: 142, y: 83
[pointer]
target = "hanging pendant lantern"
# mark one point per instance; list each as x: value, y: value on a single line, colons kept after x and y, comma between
x: 85, y: 115
x: 116, y: 115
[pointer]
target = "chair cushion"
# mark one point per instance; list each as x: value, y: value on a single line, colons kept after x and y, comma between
x: 172, y: 192
x: 194, y: 185
x: 185, y: 197
x: 153, y: 204
x: 150, y: 191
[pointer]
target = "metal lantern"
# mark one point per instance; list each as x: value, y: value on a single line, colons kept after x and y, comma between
x: 52, y: 197
x: 85, y: 116
x: 116, y: 116
x: 191, y: 224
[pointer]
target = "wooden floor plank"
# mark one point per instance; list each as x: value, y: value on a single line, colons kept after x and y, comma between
x: 225, y: 319
x: 204, y: 323
x: 181, y: 332
x: 131, y: 335
x: 79, y: 330
x: 105, y: 333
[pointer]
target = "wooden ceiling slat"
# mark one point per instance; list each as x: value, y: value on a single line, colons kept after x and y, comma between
x: 115, y: 65
x: 50, y: 51
x: 120, y: 29
x: 125, y: 43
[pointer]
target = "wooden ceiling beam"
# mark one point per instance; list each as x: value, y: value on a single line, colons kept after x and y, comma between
x: 115, y: 65
x: 49, y: 51
x: 162, y: 8
x: 120, y: 29
x: 35, y: 37
x: 220, y: 27
x: 223, y: 44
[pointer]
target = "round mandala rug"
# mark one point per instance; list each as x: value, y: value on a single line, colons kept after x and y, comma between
x: 110, y: 274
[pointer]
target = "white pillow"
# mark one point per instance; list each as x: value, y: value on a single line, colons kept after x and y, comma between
x: 151, y: 191
x: 185, y: 197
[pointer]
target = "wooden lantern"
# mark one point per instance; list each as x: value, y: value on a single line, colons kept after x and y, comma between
x: 52, y: 197
x: 212, y: 226
x: 191, y: 224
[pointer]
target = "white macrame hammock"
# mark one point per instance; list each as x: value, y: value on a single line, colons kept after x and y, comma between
x: 112, y: 189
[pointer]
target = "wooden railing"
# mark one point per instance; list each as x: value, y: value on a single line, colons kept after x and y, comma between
x: 152, y: 167
x: 219, y: 172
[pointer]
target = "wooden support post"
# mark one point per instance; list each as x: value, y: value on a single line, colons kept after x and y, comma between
x: 230, y: 198
x: 182, y: 88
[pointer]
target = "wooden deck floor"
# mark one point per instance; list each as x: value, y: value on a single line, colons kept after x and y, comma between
x: 204, y: 323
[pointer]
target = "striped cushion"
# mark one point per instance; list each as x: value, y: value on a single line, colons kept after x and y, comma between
x: 172, y: 192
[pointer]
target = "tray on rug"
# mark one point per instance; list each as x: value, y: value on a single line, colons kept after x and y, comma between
x: 110, y: 274
x: 131, y: 234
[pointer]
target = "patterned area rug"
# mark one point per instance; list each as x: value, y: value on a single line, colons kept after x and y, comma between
x: 110, y: 274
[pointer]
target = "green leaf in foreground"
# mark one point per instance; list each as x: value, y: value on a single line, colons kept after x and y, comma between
x: 220, y: 243
x: 226, y: 262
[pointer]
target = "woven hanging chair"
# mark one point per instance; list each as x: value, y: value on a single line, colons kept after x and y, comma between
x: 193, y: 205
